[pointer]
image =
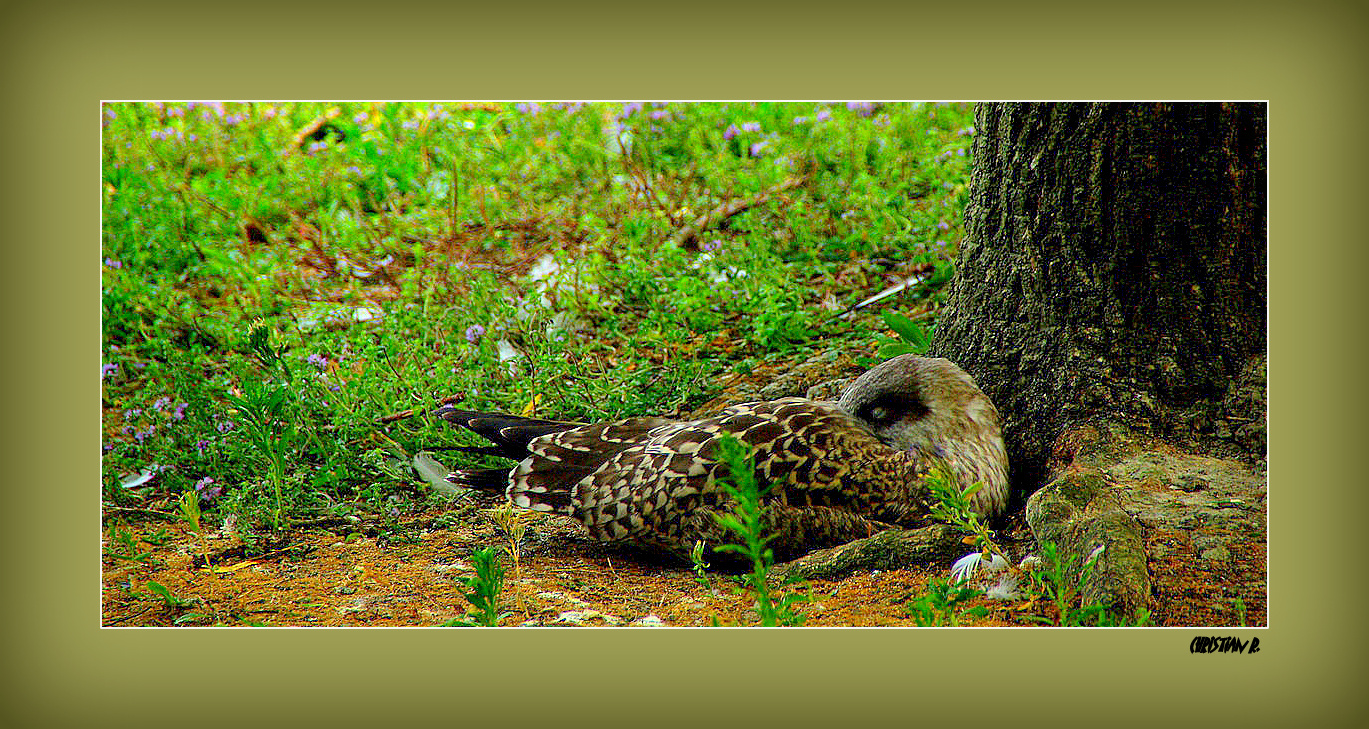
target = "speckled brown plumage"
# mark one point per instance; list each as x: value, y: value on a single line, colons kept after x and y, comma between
x: 838, y: 471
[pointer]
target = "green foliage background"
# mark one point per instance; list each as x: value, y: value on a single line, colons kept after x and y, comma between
x: 278, y: 277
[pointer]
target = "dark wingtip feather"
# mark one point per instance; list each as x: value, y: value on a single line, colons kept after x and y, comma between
x: 481, y: 479
x: 509, y: 434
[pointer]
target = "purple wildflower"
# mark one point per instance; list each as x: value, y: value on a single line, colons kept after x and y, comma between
x: 731, y: 131
x: 225, y: 426
x: 532, y: 108
x: 630, y: 108
x: 751, y: 126
x: 758, y: 147
x: 142, y: 435
x: 161, y: 403
x: 711, y: 245
x: 108, y: 447
x: 127, y: 430
x: 207, y: 492
x: 659, y: 114
x: 175, y: 111
x: 822, y: 115
x: 200, y: 445
x: 179, y: 412
x: 943, y: 226
x: 800, y: 120
x: 864, y: 108
x: 474, y: 332
x: 360, y: 118
x: 318, y: 361
x: 132, y: 413
x: 354, y: 170
x: 269, y: 113
x: 316, y: 146
x: 108, y: 369
x: 413, y: 123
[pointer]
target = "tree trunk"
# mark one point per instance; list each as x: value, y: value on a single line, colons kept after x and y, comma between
x: 1113, y: 268
x: 1111, y: 291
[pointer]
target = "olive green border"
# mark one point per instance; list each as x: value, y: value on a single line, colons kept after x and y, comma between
x: 61, y: 59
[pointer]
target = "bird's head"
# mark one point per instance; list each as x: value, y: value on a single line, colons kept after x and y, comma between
x: 932, y: 407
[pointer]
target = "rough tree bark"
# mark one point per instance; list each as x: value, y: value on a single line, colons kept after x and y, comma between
x: 1111, y: 290
x: 1113, y: 266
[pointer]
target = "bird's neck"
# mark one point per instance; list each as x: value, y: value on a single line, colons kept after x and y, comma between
x: 980, y: 461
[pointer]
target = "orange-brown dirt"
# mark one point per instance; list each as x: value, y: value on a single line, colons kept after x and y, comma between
x: 409, y: 575
x: 563, y: 578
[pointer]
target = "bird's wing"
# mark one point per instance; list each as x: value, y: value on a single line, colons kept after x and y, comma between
x: 546, y: 479
x: 639, y: 480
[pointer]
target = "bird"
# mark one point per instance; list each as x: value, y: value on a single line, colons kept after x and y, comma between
x: 830, y: 472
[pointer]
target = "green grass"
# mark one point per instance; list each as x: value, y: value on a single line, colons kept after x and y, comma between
x: 266, y: 303
x: 485, y: 586
x: 745, y: 523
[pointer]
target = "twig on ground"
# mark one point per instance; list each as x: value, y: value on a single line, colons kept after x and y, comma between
x: 140, y: 510
x: 411, y: 412
x: 919, y: 273
x: 722, y: 212
x: 313, y: 126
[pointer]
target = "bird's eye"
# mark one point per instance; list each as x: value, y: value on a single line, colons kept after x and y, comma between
x: 889, y: 408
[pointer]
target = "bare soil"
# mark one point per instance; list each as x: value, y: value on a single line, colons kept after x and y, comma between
x: 409, y: 575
